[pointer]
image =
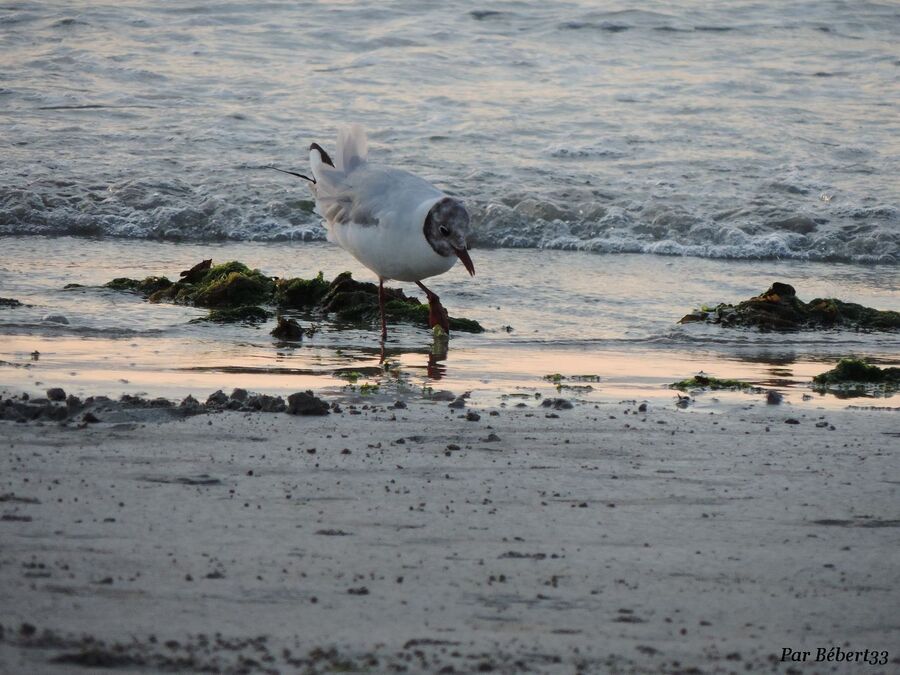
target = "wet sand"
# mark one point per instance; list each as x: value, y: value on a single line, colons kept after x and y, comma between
x: 593, y: 539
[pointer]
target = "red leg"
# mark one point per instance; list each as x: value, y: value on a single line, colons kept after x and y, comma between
x: 381, y: 307
x: 437, y: 315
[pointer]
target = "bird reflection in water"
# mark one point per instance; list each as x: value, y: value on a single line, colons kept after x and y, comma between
x: 437, y: 354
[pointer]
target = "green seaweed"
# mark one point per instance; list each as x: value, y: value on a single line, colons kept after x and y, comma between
x: 145, y: 287
x: 235, y: 286
x: 415, y: 312
x: 779, y: 309
x: 246, y: 314
x: 301, y: 293
x: 849, y: 371
x: 704, y: 382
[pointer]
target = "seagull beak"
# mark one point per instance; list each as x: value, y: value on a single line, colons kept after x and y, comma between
x: 463, y: 255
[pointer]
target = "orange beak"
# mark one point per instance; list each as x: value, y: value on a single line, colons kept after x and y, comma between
x: 463, y: 255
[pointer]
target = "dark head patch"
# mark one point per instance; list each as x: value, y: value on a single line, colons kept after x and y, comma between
x: 447, y: 226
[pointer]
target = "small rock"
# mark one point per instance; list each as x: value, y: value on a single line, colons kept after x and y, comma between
x: 190, y: 405
x: 773, y: 397
x: 56, y: 394
x: 642, y: 407
x: 822, y: 424
x: 306, y: 403
x: 239, y: 395
x: 197, y: 272
x: 491, y: 438
x: 457, y: 403
x: 270, y: 404
x: 442, y: 395
x: 287, y: 329
x: 218, y: 398
x: 90, y: 418
x: 399, y: 404
x: 9, y: 303
x: 55, y: 318
x: 792, y: 420
x: 557, y: 404
x: 472, y: 416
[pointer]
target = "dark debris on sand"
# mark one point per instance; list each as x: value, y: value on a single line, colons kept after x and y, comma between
x: 58, y: 407
x: 780, y: 309
x: 217, y: 653
x: 235, y: 293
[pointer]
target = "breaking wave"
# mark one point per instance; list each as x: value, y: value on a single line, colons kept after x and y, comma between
x: 178, y: 212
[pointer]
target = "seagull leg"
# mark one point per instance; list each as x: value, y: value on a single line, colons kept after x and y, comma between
x: 381, y: 307
x: 437, y: 315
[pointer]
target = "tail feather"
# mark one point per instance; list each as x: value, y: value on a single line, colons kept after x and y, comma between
x: 333, y: 202
x: 352, y: 147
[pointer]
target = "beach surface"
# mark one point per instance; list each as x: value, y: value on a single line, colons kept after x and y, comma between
x: 535, y: 538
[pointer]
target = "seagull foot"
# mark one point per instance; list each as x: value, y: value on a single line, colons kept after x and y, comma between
x: 437, y: 315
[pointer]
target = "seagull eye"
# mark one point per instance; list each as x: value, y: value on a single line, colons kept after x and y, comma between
x: 443, y: 230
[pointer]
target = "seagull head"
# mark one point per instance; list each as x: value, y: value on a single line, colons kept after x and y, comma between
x: 447, y: 231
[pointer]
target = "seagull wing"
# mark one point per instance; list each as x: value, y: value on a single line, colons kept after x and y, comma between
x: 354, y: 192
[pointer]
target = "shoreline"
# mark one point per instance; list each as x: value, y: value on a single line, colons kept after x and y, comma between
x: 544, y: 539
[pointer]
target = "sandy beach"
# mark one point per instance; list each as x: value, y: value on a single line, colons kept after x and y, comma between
x: 597, y: 538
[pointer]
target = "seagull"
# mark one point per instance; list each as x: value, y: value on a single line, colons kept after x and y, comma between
x: 398, y: 225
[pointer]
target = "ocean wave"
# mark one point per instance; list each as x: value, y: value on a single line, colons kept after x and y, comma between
x: 175, y: 212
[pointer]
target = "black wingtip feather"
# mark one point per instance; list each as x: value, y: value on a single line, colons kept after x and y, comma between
x: 325, y: 157
x: 292, y: 173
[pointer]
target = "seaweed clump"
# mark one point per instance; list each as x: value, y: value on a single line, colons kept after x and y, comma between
x: 250, y: 314
x: 853, y: 371
x: 779, y: 309
x: 237, y: 292
x: 301, y: 293
x: 146, y: 287
x: 357, y: 301
x: 705, y: 382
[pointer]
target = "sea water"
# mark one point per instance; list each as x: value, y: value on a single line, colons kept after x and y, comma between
x: 607, y: 323
x: 739, y: 130
x: 623, y: 165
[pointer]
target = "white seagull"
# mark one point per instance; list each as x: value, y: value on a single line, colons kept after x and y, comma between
x: 398, y: 225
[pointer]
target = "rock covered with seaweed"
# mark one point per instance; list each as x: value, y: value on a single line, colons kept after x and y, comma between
x: 858, y: 371
x: 701, y: 381
x: 780, y: 309
x: 235, y: 292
